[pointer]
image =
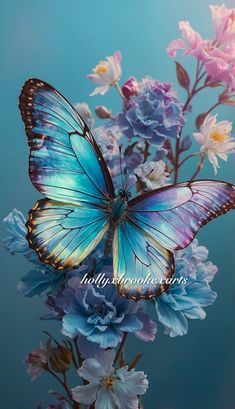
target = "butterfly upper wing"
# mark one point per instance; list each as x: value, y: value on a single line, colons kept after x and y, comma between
x: 141, y: 265
x: 65, y: 162
x: 67, y: 166
x: 172, y: 215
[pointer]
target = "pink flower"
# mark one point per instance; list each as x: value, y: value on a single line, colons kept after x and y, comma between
x: 130, y: 87
x: 224, y: 23
x: 191, y: 43
x: 214, y: 138
x: 107, y: 73
x: 37, y: 362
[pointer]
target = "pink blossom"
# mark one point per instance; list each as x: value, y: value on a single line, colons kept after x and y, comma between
x: 191, y: 43
x: 224, y: 23
x: 130, y: 87
x: 37, y: 362
x: 107, y: 73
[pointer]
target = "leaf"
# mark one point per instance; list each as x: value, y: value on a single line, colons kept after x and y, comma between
x: 134, y: 361
x: 186, y: 143
x: 200, y: 119
x: 182, y: 76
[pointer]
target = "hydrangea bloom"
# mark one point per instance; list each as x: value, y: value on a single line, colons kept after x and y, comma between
x: 106, y: 73
x: 214, y: 138
x: 107, y: 387
x: 154, y: 114
x: 101, y: 314
x: 183, y: 301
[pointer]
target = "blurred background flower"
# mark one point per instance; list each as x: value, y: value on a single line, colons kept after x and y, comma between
x: 186, y: 300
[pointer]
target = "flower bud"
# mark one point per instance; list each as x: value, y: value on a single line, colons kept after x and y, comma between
x: 102, y: 112
x: 60, y: 358
x: 130, y: 87
x: 37, y: 362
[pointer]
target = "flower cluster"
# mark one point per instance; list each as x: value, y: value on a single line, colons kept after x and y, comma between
x: 218, y: 54
x: 143, y: 146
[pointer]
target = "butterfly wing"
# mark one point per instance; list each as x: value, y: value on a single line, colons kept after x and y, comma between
x: 67, y: 166
x: 141, y: 264
x: 65, y: 162
x: 173, y: 215
x: 158, y: 222
x: 64, y: 234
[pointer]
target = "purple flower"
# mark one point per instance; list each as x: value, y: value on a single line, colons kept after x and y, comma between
x: 108, y: 387
x: 154, y: 114
x: 191, y: 292
x: 101, y: 315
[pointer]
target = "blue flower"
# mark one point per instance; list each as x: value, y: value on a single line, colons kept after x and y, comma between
x: 108, y: 387
x: 154, y: 114
x: 186, y: 301
x: 101, y: 315
x: 38, y: 280
x: 16, y: 241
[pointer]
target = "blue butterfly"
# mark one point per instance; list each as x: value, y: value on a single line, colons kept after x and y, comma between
x: 81, y: 206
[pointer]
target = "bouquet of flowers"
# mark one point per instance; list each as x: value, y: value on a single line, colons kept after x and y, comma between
x: 89, y: 363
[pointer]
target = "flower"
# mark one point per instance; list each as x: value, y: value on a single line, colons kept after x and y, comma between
x: 108, y: 387
x: 37, y: 362
x: 16, y: 241
x: 189, y: 293
x: 130, y: 87
x: 224, y: 23
x: 191, y: 44
x: 154, y: 114
x: 85, y: 112
x: 106, y: 73
x: 152, y: 174
x: 101, y: 314
x: 39, y: 279
x: 217, y: 55
x: 215, y: 139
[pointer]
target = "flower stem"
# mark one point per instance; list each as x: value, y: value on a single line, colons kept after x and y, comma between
x: 120, y: 347
x: 199, y: 167
x: 118, y: 88
x: 193, y: 92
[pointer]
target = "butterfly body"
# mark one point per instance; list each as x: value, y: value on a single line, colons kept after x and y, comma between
x: 81, y: 207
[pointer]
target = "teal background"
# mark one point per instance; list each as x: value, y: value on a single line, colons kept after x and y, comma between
x: 59, y: 42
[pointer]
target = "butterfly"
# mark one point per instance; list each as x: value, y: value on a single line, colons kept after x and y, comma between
x: 81, y: 206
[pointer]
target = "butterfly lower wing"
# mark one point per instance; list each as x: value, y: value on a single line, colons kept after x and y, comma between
x: 141, y: 265
x: 173, y: 215
x: 65, y: 162
x: 64, y: 234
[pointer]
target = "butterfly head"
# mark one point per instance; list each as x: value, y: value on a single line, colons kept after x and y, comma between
x: 124, y: 195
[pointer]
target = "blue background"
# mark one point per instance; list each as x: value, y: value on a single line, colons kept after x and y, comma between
x: 60, y: 41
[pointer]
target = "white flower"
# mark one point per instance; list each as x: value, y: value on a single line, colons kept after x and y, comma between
x: 153, y: 174
x: 108, y: 72
x: 108, y: 387
x: 83, y: 109
x: 215, y: 139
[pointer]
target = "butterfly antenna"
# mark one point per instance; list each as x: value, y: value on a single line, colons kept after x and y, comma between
x: 141, y: 179
x: 120, y: 162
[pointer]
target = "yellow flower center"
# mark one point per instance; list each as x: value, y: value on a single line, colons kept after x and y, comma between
x: 219, y: 136
x: 101, y: 68
x: 109, y: 381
